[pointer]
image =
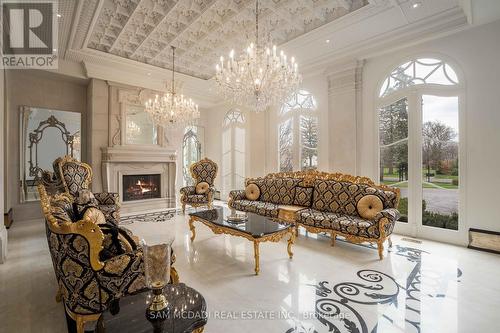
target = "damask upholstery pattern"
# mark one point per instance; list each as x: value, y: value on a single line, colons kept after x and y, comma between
x: 303, y: 196
x: 342, y: 197
x: 76, y: 176
x: 346, y: 224
x: 278, y: 190
x: 204, y: 170
x: 258, y: 207
x: 84, y: 290
x: 331, y: 200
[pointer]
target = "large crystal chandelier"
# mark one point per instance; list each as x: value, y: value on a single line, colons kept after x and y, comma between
x: 260, y: 77
x: 172, y: 109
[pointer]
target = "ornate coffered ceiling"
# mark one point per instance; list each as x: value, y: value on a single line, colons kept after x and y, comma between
x: 202, y: 30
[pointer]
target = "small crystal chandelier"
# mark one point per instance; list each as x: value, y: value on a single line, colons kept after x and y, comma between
x: 172, y: 110
x: 260, y: 78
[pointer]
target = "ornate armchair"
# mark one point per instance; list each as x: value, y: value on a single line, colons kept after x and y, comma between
x: 91, y: 273
x: 75, y: 176
x: 202, y: 193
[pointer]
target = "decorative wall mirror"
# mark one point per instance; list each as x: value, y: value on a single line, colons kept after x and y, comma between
x: 45, y: 135
x: 192, y: 150
x: 139, y: 129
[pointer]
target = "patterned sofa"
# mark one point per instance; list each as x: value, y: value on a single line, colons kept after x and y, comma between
x: 325, y: 202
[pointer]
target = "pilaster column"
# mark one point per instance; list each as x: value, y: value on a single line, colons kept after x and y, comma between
x: 344, y: 106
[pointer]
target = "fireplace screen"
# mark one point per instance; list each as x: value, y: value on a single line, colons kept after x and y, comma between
x: 140, y: 187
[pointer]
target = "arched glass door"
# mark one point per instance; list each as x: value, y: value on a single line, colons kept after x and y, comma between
x: 419, y: 147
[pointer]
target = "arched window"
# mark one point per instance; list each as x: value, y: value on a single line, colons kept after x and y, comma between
x: 298, y: 133
x: 191, y: 151
x: 233, y: 151
x: 418, y: 109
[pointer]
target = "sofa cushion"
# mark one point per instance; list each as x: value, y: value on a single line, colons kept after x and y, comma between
x: 369, y: 206
x: 278, y: 190
x: 351, y: 225
x: 197, y: 198
x: 252, y: 192
x: 342, y: 197
x: 258, y: 207
x: 303, y: 196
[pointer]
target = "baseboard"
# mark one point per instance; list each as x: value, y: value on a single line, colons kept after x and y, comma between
x: 484, y: 240
x: 8, y: 218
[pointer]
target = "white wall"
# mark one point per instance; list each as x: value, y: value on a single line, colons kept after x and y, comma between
x: 476, y: 53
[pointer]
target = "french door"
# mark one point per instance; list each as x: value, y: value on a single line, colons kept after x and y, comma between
x: 420, y: 152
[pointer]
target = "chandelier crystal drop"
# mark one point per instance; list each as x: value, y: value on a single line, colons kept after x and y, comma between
x: 260, y: 77
x: 172, y: 110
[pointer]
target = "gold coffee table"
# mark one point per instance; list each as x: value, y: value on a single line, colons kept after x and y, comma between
x: 256, y: 229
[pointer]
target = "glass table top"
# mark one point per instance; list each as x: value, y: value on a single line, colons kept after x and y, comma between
x: 255, y: 225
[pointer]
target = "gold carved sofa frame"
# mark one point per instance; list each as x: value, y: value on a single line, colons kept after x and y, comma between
x: 307, y: 179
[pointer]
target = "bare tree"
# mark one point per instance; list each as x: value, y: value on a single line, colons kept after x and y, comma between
x: 285, y: 146
x: 309, y: 141
x: 437, y: 142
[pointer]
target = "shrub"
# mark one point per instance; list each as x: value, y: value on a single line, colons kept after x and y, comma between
x: 455, y: 182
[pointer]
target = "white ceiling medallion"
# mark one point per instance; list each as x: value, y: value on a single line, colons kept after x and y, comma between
x: 259, y: 78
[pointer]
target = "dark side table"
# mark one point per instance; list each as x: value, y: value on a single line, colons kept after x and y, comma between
x: 185, y: 313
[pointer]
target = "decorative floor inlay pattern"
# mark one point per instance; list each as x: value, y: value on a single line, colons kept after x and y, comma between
x: 378, y: 302
x: 162, y: 216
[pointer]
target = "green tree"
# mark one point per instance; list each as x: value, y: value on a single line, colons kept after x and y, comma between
x: 393, y: 129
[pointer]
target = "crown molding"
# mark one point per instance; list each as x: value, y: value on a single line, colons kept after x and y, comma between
x: 445, y: 23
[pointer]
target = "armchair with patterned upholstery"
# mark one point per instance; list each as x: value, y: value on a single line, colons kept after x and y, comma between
x: 75, y: 176
x: 92, y: 271
x: 202, y: 193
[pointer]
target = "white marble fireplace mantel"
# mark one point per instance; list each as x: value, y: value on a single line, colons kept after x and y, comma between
x: 141, y: 160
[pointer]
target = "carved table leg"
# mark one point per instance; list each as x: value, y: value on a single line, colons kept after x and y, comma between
x: 291, y: 241
x: 191, y: 227
x: 256, y: 256
x: 334, y: 237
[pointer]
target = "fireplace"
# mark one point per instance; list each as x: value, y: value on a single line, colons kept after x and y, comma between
x: 141, y: 187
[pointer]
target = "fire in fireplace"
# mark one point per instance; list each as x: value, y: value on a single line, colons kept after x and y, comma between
x: 140, y: 187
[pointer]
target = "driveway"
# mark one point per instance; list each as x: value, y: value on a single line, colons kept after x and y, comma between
x: 438, y: 200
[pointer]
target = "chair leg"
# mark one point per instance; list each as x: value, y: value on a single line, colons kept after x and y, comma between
x: 390, y: 241
x: 80, y: 324
x: 183, y: 208
x: 334, y: 237
x: 380, y: 246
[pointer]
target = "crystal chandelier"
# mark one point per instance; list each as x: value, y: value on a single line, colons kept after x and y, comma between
x: 260, y: 77
x: 172, y: 110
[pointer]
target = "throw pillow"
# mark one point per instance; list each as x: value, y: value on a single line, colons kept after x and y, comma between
x: 202, y: 188
x: 369, y: 206
x: 252, y: 192
x: 303, y: 196
x: 84, y: 200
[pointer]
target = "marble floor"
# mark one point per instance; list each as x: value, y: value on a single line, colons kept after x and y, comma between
x: 419, y: 287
